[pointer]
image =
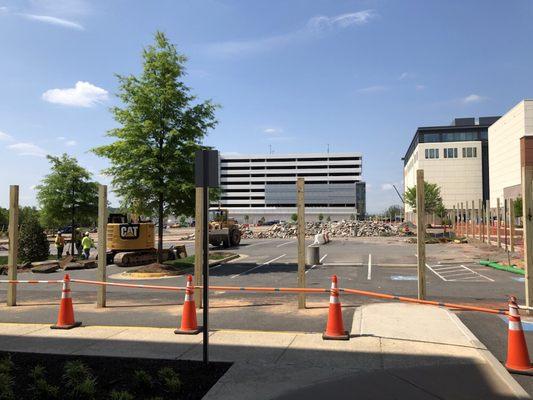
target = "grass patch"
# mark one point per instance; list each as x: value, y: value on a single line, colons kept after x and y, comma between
x: 3, y: 260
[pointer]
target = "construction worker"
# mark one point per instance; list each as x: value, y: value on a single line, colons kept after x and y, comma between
x: 60, y: 244
x: 86, y: 243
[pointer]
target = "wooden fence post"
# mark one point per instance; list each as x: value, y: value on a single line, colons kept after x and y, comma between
x: 498, y: 210
x: 102, y: 245
x: 13, y: 232
x: 300, y: 187
x: 421, y: 233
x: 511, y: 225
x: 198, y: 245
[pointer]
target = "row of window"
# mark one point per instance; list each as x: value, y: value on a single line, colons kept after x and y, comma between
x: 222, y: 184
x: 286, y: 205
x: 269, y: 168
x: 347, y: 174
x: 246, y: 160
x: 453, y: 136
x: 451, y: 152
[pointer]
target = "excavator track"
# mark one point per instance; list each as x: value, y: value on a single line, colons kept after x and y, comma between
x: 136, y: 258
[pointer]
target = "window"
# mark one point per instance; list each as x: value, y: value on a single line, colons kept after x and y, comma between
x: 469, y: 152
x: 431, y: 137
x: 432, y: 153
x: 450, y: 152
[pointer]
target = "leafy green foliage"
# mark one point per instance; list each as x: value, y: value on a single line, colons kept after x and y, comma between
x: 33, y: 244
x: 393, y: 211
x: 39, y: 388
x: 352, y: 217
x: 170, y: 380
x: 121, y: 395
x: 328, y: 219
x: 160, y: 128
x: 432, y: 197
x: 67, y: 192
x: 294, y: 217
x: 518, y: 210
x: 246, y: 218
x: 4, y: 219
x: 79, y: 380
x: 6, y: 379
x: 320, y: 217
x: 142, y: 382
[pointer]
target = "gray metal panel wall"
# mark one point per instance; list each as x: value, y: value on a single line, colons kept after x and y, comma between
x: 339, y: 193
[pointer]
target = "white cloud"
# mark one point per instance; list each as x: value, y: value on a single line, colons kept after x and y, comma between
x: 54, y: 21
x: 83, y: 94
x: 273, y: 131
x: 473, y: 98
x: 420, y: 87
x: 5, y: 137
x: 27, y: 149
x: 3, y: 9
x: 61, y: 138
x: 316, y: 25
x: 386, y: 186
x: 373, y: 89
x: 322, y: 22
x: 71, y: 143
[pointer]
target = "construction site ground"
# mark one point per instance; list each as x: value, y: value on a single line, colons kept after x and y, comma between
x: 453, y: 275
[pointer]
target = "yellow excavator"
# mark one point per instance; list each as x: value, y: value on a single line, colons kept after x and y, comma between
x: 132, y: 243
x: 223, y: 231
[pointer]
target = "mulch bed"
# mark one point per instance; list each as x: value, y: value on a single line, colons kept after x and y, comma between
x: 117, y: 373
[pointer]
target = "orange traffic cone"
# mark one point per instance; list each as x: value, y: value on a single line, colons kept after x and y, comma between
x: 189, y: 326
x: 517, y: 354
x: 65, y: 318
x: 335, y: 326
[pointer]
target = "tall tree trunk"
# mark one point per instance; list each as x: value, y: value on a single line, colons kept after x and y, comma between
x: 160, y: 230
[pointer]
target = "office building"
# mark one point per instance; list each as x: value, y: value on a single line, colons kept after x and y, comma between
x: 505, y: 151
x: 264, y: 186
x: 455, y: 157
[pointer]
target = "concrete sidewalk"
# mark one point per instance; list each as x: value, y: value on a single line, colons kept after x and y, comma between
x: 399, y: 351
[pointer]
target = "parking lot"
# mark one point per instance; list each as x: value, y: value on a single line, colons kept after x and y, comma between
x: 386, y: 265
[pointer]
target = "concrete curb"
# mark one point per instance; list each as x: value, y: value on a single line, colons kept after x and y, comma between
x: 496, y: 365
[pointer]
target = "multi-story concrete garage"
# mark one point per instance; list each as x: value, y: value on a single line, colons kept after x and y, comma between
x: 455, y: 157
x: 260, y: 186
x: 504, y: 151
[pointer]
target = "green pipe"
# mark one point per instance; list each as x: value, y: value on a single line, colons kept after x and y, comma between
x: 507, y: 268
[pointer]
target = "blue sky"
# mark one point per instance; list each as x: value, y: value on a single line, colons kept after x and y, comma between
x: 294, y: 74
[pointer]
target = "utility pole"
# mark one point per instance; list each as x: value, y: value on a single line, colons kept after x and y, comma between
x: 421, y: 233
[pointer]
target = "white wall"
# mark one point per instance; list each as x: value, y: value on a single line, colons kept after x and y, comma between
x: 504, y: 148
x: 460, y: 179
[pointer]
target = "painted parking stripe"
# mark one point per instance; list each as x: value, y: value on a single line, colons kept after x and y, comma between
x: 519, y: 278
x: 252, y: 245
x: 314, y: 265
x: 369, y: 275
x: 323, y: 257
x: 286, y: 243
x: 261, y: 265
x: 465, y: 274
x: 404, y: 277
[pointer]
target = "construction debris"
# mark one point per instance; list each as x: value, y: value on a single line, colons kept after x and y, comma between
x: 342, y: 228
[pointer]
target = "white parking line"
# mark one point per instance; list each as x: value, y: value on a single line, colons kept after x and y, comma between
x: 323, y: 257
x: 261, y: 265
x: 252, y: 245
x: 458, y: 273
x: 369, y: 276
x: 314, y: 265
x: 283, y: 244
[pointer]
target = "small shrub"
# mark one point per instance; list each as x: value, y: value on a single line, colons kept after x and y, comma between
x: 39, y: 388
x: 6, y: 365
x: 120, y: 395
x: 79, y: 380
x: 142, y: 382
x: 170, y: 380
x: 33, y: 244
x: 294, y: 217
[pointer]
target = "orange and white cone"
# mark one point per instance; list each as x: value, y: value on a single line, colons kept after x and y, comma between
x: 65, y: 318
x: 189, y: 325
x: 517, y: 354
x: 335, y: 326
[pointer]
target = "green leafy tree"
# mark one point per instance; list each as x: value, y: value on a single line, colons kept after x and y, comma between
x: 246, y: 218
x: 28, y: 213
x: 352, y: 217
x: 393, y: 211
x: 4, y: 219
x: 294, y: 217
x: 183, y: 220
x: 67, y: 195
x: 320, y: 217
x: 160, y: 128
x: 442, y: 213
x: 518, y: 210
x: 328, y: 219
x: 432, y: 197
x: 33, y: 243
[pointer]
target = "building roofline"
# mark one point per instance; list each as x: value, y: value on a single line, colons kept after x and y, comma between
x: 295, y: 155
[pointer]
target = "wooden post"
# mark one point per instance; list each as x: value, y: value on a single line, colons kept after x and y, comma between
x: 300, y: 187
x: 198, y: 245
x: 468, y: 216
x: 472, y: 219
x: 13, y: 231
x: 102, y: 245
x: 421, y: 233
x: 527, y: 218
x: 487, y: 220
x: 505, y: 223
x: 480, y: 219
x: 498, y: 210
x: 454, y: 224
x: 511, y: 225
